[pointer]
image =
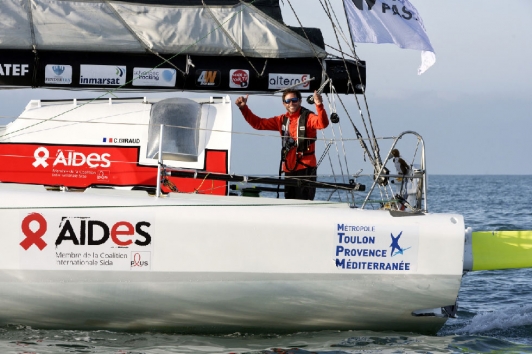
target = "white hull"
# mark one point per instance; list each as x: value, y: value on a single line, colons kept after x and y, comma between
x: 222, y: 264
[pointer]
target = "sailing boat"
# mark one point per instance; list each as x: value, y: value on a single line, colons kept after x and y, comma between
x: 117, y: 212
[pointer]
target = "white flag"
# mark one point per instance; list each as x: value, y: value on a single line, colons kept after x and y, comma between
x: 390, y: 21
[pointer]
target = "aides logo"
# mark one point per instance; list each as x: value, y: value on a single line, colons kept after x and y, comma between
x: 58, y: 74
x: 70, y: 158
x: 239, y: 78
x: 33, y: 227
x: 81, y: 231
x: 210, y: 78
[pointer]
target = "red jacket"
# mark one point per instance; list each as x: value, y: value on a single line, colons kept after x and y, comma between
x: 314, y: 122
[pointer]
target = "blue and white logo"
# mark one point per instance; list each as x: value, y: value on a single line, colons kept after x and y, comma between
x: 168, y: 75
x: 58, y: 69
x: 367, y: 248
x: 396, y: 249
x: 154, y: 77
x: 56, y: 74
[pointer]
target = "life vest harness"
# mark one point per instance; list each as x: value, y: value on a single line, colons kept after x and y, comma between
x: 303, y: 143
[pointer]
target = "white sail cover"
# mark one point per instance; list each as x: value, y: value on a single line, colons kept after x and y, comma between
x: 119, y: 26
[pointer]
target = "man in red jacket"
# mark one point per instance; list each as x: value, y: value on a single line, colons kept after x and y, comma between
x: 298, y: 129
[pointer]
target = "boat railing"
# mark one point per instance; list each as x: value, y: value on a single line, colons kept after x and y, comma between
x: 382, y: 176
x: 164, y: 171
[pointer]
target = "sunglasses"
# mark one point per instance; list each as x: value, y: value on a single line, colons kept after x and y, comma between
x: 293, y: 100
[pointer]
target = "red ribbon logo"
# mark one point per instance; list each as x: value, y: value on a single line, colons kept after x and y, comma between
x: 34, y: 237
x: 136, y: 260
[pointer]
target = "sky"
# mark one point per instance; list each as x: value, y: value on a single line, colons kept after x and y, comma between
x: 472, y: 108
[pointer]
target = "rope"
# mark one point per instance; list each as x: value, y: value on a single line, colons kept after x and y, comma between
x: 308, y: 39
x: 201, y: 184
x: 162, y: 206
x: 340, y: 29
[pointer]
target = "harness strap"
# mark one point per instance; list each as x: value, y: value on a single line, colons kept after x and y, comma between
x: 303, y: 142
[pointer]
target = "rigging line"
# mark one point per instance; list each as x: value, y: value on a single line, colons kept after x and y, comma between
x: 377, y: 149
x: 134, y: 34
x: 228, y: 35
x: 360, y: 138
x: 357, y: 132
x: 333, y: 172
x: 308, y: 39
x: 336, y: 145
x: 325, y: 152
x: 166, y: 205
x: 372, y: 142
x: 340, y: 51
x: 33, y: 45
x: 119, y: 87
x: 332, y: 89
x: 32, y: 28
x: 73, y: 122
x: 415, y: 152
x: 341, y: 136
x: 338, y: 25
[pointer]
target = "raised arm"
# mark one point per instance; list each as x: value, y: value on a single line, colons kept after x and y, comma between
x: 256, y: 122
x: 320, y: 119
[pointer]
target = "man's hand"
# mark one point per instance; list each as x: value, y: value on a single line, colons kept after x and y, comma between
x: 241, y: 101
x: 317, y: 98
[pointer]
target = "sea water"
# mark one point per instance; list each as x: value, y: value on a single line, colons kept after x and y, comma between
x: 495, y: 307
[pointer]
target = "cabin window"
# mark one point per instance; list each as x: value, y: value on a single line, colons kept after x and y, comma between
x: 181, y: 118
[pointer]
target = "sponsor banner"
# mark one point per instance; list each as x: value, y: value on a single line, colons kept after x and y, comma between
x: 102, y: 75
x: 239, y: 78
x: 282, y: 81
x: 379, y: 248
x: 14, y: 69
x: 55, y: 74
x: 85, y: 239
x: 208, y: 78
x: 154, y: 77
x: 78, y: 166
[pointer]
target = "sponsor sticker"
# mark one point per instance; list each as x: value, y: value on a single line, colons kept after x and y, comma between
x: 10, y: 69
x: 102, y: 75
x: 239, y: 78
x: 56, y: 74
x: 85, y: 240
x: 208, y: 78
x: 73, y: 163
x: 121, y: 140
x: 154, y: 77
x: 375, y: 248
x: 282, y: 81
x: 70, y: 158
